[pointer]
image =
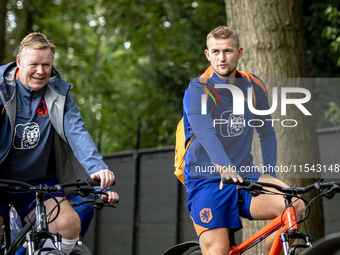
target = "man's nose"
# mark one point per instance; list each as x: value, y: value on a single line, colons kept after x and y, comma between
x: 40, y: 69
x: 222, y: 56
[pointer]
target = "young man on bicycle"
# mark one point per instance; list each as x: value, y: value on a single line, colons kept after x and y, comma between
x: 222, y: 145
x: 43, y: 136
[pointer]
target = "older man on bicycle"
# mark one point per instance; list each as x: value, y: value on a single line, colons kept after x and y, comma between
x: 43, y: 136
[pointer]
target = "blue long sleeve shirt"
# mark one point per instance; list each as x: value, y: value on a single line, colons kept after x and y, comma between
x: 222, y: 137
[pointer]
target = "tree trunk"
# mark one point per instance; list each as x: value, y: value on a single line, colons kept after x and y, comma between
x: 3, y: 13
x: 272, y: 36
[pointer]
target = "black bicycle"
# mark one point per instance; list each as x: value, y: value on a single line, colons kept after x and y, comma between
x: 35, y: 232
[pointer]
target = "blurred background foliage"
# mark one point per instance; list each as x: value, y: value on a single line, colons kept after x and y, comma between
x: 130, y: 61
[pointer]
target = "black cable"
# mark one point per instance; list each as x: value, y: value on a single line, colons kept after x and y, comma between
x: 57, y: 214
x: 34, y: 201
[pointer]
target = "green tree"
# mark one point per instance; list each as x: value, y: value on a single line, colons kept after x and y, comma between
x: 322, y: 59
x: 3, y: 14
x: 126, y: 60
x: 332, y: 31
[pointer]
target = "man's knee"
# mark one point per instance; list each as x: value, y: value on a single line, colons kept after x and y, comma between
x: 67, y: 223
x: 215, y: 241
x: 71, y: 222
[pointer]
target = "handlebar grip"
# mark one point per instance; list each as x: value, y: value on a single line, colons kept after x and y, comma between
x: 94, y: 182
x: 230, y: 181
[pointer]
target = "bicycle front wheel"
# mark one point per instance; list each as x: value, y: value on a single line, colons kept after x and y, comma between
x: 55, y: 252
x: 81, y: 250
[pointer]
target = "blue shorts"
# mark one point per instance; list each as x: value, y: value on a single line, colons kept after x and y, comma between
x: 85, y: 211
x: 211, y: 207
x: 24, y: 203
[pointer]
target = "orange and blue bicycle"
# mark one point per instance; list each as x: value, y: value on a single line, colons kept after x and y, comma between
x: 285, y: 224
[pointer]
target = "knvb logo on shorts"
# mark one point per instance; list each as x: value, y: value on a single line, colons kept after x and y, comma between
x: 239, y: 98
x: 206, y: 215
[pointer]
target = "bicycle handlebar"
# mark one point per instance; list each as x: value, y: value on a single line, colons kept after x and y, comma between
x: 293, y: 190
x: 97, y: 203
x: 15, y: 185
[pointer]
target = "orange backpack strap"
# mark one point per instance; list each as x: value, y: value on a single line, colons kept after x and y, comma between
x: 2, y: 111
x: 247, y: 75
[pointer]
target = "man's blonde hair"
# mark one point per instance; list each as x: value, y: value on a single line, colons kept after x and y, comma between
x: 36, y: 41
x: 223, y: 32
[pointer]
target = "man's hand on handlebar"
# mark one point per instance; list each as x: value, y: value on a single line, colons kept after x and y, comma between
x: 112, y: 197
x: 105, y: 176
x: 228, y: 173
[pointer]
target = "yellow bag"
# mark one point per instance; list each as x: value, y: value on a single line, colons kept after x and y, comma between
x: 180, y: 151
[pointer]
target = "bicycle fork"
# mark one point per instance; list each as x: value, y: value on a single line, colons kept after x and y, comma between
x: 34, y: 237
x: 293, y: 232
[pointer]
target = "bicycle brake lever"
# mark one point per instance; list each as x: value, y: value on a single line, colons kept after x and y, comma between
x: 331, y: 192
x: 99, y: 193
x: 84, y: 191
x: 252, y: 192
x: 255, y: 193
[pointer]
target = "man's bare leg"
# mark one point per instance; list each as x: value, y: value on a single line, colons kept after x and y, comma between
x: 215, y: 241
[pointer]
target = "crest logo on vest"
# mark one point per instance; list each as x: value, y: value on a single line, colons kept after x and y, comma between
x: 42, y: 108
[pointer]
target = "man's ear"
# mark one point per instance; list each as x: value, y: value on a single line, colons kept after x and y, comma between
x: 18, y: 61
x: 240, y: 52
x: 206, y: 52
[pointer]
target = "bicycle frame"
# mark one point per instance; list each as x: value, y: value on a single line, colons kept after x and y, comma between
x: 284, y: 222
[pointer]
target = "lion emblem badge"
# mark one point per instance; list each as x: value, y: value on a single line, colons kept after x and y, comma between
x: 234, y: 126
x: 30, y: 136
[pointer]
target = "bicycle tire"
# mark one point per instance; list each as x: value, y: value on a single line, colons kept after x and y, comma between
x: 196, y: 252
x: 55, y: 252
x: 81, y: 250
x: 326, y: 245
x: 304, y: 251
